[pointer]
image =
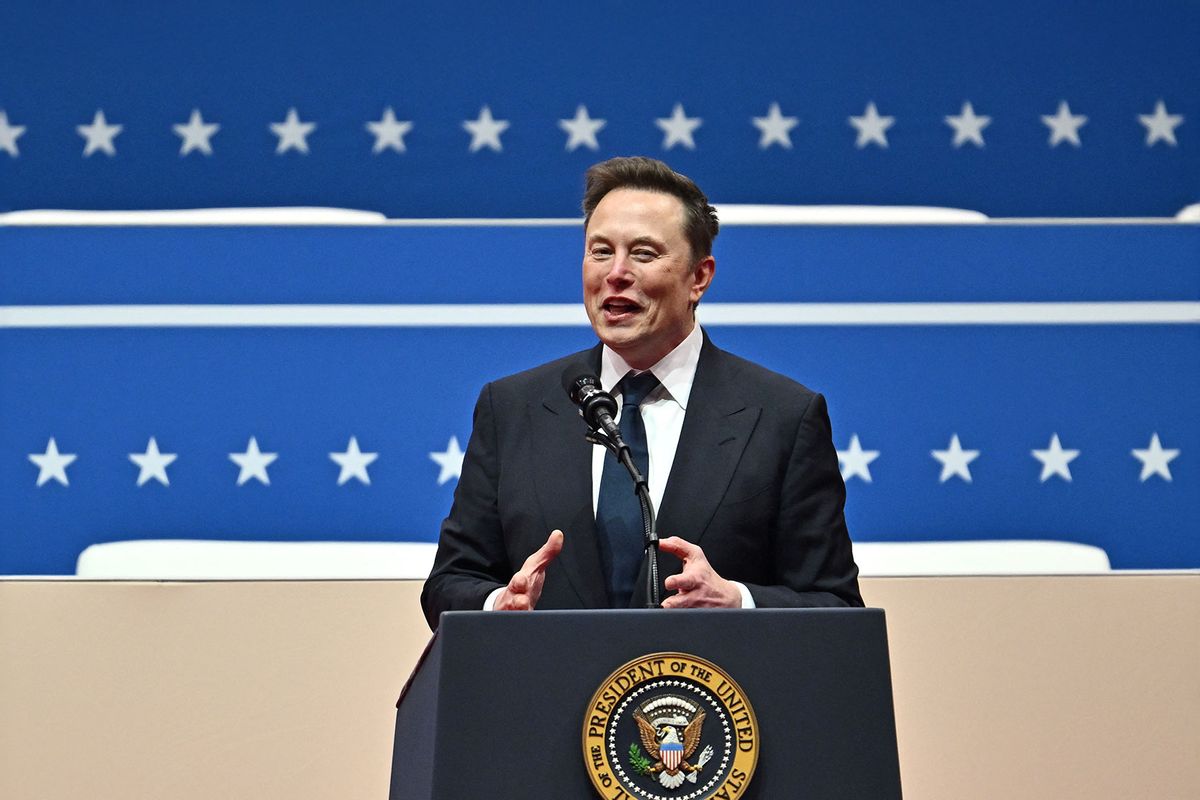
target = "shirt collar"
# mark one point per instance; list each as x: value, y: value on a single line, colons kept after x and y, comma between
x: 676, y: 371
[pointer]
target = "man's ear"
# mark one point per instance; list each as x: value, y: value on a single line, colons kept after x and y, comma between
x: 702, y: 276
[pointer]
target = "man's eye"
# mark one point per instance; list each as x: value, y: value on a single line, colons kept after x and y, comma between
x: 601, y: 252
x: 644, y: 255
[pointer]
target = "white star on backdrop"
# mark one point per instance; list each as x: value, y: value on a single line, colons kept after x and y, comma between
x: 9, y: 135
x: 678, y: 128
x: 99, y: 135
x: 582, y: 129
x: 354, y: 463
x: 855, y: 461
x: 1064, y: 126
x: 872, y: 128
x: 196, y: 134
x: 253, y: 463
x: 152, y: 464
x: 389, y: 132
x: 1154, y: 459
x: 485, y: 131
x: 775, y: 128
x: 1055, y: 460
x: 1160, y: 126
x: 967, y: 126
x: 450, y: 460
x: 52, y: 464
x: 292, y: 133
x: 955, y: 460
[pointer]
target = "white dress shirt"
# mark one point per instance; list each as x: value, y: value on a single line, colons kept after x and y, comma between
x: 662, y: 415
x: 662, y: 410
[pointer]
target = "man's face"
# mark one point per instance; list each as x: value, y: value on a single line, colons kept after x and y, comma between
x: 639, y: 280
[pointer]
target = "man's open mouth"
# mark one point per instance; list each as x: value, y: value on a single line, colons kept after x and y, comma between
x: 618, y: 307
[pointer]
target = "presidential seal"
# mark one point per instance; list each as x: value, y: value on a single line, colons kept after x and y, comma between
x: 670, y: 726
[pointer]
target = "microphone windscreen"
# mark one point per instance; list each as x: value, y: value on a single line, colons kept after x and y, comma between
x: 575, y: 377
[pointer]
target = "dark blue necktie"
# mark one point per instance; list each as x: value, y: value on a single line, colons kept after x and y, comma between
x: 618, y: 512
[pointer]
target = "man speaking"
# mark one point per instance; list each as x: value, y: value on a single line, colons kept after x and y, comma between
x: 739, y: 460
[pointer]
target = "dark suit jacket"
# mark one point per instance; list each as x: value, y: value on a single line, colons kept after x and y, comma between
x: 755, y: 483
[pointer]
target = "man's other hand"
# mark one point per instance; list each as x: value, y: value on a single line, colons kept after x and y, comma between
x: 698, y: 586
x: 525, y: 588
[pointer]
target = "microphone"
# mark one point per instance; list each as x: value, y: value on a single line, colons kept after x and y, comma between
x: 596, y: 405
x: 597, y: 408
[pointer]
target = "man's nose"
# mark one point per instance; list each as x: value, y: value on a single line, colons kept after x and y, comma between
x: 619, y: 271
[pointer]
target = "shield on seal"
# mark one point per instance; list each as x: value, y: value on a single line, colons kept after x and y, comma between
x: 672, y: 754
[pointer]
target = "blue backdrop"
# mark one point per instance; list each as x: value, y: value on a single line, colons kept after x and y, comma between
x: 243, y: 66
x: 405, y: 386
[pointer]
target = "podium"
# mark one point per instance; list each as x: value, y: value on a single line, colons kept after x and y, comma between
x: 510, y: 704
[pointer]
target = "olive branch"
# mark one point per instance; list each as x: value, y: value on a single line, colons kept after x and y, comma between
x: 640, y: 763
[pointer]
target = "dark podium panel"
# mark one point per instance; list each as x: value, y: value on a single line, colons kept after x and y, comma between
x: 496, y: 707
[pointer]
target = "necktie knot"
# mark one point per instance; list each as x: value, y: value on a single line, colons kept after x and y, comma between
x: 635, y: 388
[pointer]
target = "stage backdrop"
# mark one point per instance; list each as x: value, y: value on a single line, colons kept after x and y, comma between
x: 468, y: 109
x: 984, y: 381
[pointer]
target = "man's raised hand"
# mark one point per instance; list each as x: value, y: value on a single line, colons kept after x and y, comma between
x: 699, y: 585
x: 525, y: 588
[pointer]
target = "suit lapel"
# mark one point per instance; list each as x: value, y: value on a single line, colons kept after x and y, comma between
x: 716, y: 428
x: 563, y: 481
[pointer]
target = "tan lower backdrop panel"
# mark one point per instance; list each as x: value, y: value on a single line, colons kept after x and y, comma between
x: 1045, y: 687
x: 1030, y: 687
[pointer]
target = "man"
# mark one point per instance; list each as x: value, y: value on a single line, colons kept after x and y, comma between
x: 741, y: 464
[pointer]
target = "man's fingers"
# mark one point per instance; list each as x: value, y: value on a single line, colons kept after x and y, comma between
x: 524, y: 580
x: 513, y: 602
x: 680, y: 583
x: 542, y: 557
x: 525, y: 588
x: 680, y: 548
x: 698, y: 585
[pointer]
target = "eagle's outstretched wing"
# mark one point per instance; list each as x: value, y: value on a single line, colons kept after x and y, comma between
x: 691, y: 735
x: 649, y: 737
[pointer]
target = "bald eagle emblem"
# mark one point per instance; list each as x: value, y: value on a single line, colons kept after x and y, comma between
x: 670, y: 728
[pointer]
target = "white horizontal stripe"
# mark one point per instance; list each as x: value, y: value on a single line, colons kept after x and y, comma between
x: 950, y: 313
x: 571, y: 314
x: 821, y: 216
x: 294, y: 316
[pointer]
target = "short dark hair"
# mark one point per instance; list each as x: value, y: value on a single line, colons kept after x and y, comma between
x: 700, y: 224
